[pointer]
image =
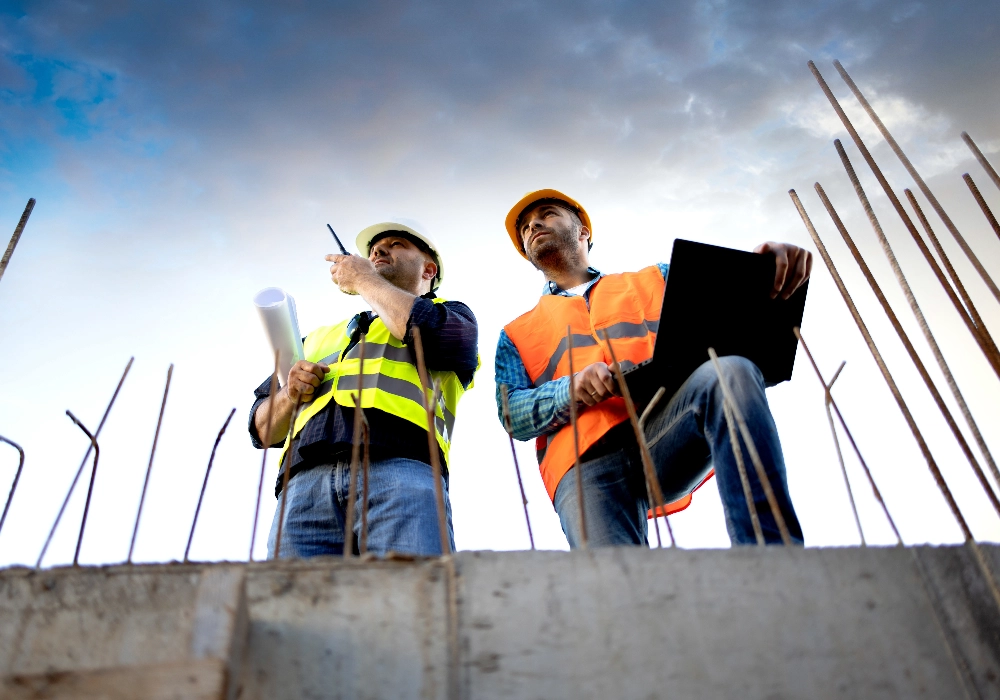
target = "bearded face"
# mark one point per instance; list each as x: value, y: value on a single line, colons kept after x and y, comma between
x: 551, y: 237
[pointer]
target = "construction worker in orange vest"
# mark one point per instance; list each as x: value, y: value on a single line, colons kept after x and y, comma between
x: 686, y: 433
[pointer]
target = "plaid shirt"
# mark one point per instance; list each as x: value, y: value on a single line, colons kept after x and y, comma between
x: 535, y: 410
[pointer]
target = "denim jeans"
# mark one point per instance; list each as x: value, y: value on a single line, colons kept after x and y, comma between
x: 402, y: 510
x: 687, y: 436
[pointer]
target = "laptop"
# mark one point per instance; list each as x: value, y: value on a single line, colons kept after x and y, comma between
x: 720, y: 298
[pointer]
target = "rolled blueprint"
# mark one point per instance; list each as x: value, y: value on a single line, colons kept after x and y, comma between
x: 281, y: 324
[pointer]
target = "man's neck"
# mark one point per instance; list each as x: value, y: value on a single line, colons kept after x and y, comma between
x: 567, y: 279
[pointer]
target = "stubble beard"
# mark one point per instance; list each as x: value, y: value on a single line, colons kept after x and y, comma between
x: 559, y: 252
x: 400, y: 275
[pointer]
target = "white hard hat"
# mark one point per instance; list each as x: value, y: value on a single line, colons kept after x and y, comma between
x: 411, y: 229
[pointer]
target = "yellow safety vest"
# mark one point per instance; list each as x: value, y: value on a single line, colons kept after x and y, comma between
x: 391, y: 382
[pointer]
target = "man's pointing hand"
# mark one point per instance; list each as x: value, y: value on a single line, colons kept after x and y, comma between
x: 348, y: 271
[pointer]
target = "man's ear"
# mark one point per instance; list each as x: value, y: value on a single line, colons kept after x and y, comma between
x: 584, y: 233
x: 430, y: 270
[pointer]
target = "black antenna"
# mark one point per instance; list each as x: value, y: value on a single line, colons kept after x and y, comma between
x: 342, y: 248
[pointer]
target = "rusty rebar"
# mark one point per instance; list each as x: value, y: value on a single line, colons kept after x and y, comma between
x: 765, y: 482
x: 981, y: 158
x: 847, y: 432
x: 741, y: 467
x: 974, y: 323
x: 432, y: 446
x: 978, y: 196
x: 919, y: 180
x: 267, y: 444
x: 90, y: 489
x: 149, y: 467
x: 17, y: 476
x: 509, y: 428
x: 979, y: 328
x: 652, y: 480
x: 18, y: 230
x: 204, y: 484
x: 352, y: 489
x: 83, y: 463
x: 646, y: 412
x: 924, y: 327
x: 827, y: 400
x: 576, y: 441
x: 893, y: 388
x: 365, y: 466
x: 286, y: 474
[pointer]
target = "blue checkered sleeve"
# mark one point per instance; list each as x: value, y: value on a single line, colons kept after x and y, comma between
x: 533, y: 412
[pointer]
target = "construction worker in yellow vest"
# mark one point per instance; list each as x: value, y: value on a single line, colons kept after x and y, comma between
x: 398, y: 277
x: 686, y: 433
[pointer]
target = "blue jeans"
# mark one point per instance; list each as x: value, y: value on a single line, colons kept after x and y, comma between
x: 687, y: 436
x: 402, y: 510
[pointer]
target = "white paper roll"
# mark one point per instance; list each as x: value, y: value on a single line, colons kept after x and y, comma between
x: 281, y: 324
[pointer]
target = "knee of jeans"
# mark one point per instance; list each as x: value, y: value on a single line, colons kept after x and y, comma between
x: 742, y: 376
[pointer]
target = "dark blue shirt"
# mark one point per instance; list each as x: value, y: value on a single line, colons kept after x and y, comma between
x: 450, y: 336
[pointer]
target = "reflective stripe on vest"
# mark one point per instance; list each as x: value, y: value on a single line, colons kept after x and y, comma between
x: 391, y: 382
x: 627, y: 306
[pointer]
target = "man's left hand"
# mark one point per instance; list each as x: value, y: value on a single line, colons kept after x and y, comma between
x: 793, y: 267
x: 350, y: 271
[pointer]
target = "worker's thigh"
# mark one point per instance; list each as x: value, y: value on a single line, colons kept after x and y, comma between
x: 614, y: 497
x: 314, y: 520
x: 401, y: 514
x: 402, y: 508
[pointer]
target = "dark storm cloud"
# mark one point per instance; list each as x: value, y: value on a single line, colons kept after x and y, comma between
x: 475, y: 86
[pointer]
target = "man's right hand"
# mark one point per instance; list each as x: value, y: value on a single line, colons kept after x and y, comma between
x: 593, y: 384
x: 303, y: 379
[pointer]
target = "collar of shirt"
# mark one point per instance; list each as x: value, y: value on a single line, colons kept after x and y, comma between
x: 553, y: 288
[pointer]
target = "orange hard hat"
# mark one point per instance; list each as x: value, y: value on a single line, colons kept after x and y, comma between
x: 527, y: 200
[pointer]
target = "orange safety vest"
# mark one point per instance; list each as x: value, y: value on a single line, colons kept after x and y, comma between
x: 627, y: 306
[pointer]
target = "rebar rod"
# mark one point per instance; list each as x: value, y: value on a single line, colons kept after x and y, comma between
x: 149, y: 467
x: 17, y: 477
x: 352, y: 488
x: 986, y: 343
x: 924, y: 327
x: 90, y: 489
x: 847, y: 432
x: 204, y: 484
x: 18, y: 230
x: 83, y: 463
x: 928, y: 335
x: 432, y: 446
x: 509, y: 428
x: 765, y: 482
x: 646, y: 412
x: 366, y: 439
x: 741, y: 467
x: 828, y: 399
x: 981, y: 158
x: 893, y: 388
x: 978, y: 196
x: 920, y: 181
x: 267, y: 444
x: 652, y: 480
x: 974, y: 325
x: 576, y: 441
x: 286, y: 474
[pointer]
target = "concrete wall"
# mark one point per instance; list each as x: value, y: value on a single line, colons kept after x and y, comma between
x: 615, y: 623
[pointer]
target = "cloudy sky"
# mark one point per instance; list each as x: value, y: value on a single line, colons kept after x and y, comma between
x: 186, y: 155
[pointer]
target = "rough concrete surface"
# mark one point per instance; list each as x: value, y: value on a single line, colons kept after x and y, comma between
x: 612, y: 623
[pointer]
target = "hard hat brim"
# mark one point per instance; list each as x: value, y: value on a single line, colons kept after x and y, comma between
x: 529, y: 199
x: 367, y: 235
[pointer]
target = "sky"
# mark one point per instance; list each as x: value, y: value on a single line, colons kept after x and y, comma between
x: 185, y: 155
